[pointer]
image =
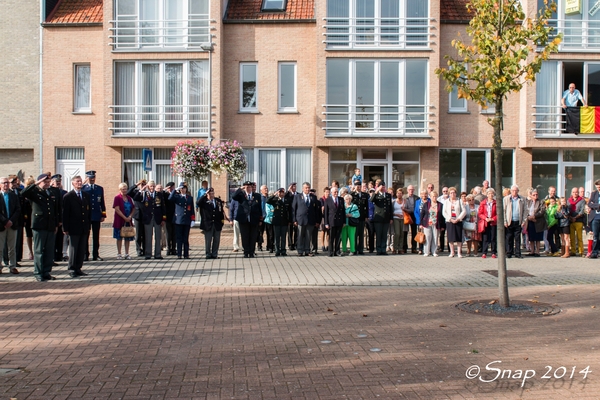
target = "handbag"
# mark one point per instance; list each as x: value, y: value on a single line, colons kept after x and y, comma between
x: 420, y: 237
x: 469, y: 226
x: 353, y: 221
x: 407, y: 219
x: 127, y: 231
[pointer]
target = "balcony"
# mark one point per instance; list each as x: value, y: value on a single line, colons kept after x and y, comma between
x: 377, y: 121
x: 548, y: 122
x: 160, y: 35
x: 378, y: 33
x: 157, y: 121
x: 578, y: 35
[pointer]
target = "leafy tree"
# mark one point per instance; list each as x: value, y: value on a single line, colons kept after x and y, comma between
x: 506, y: 51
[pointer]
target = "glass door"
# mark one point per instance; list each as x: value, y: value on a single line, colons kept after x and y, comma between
x: 372, y: 172
x: 574, y: 176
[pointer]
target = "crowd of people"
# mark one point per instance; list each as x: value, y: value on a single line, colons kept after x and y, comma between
x: 364, y: 217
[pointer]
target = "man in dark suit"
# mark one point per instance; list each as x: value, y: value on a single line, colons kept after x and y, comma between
x: 212, y: 220
x: 96, y: 193
x: 306, y: 210
x: 153, y: 213
x: 77, y: 214
x: 292, y: 231
x: 137, y: 218
x: 361, y: 199
x: 169, y: 225
x: 10, y: 213
x: 56, y: 185
x: 410, y: 200
x: 45, y: 217
x: 280, y: 220
x: 249, y: 215
x: 335, y: 218
x: 382, y: 217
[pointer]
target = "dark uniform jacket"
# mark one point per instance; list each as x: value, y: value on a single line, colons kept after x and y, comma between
x: 25, y: 208
x: 334, y: 215
x: 249, y: 211
x: 212, y: 215
x: 289, y: 198
x: 361, y: 199
x: 137, y: 214
x: 281, y: 211
x: 383, y: 212
x: 77, y: 213
x: 184, y: 208
x: 152, y: 207
x: 97, y: 201
x: 14, y: 206
x: 306, y: 214
x: 45, y: 211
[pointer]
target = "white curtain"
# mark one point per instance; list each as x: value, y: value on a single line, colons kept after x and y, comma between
x: 174, y: 96
x: 298, y: 166
x: 70, y: 153
x: 416, y: 28
x: 150, y: 93
x: 199, y: 96
x: 269, y: 169
x: 124, y: 96
x: 548, y: 96
x: 174, y: 22
x: 82, y: 85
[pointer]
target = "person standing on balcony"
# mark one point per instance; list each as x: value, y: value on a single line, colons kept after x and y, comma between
x: 571, y: 96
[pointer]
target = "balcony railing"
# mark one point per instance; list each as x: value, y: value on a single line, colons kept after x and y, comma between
x: 377, y: 120
x: 149, y: 120
x: 377, y: 33
x: 129, y: 34
x: 548, y: 121
x: 577, y: 34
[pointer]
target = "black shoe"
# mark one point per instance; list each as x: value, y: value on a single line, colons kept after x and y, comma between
x: 594, y: 255
x: 86, y: 259
x: 518, y: 256
x: 300, y: 255
x: 260, y: 248
x: 54, y: 264
x: 40, y: 279
x: 361, y: 253
x: 98, y: 258
x: 73, y: 275
x: 179, y: 257
x: 277, y: 254
x: 252, y: 255
x: 139, y: 255
x: 330, y: 255
x: 158, y: 258
x: 246, y: 256
x: 209, y: 257
x: 80, y: 273
x: 147, y: 258
x: 65, y: 258
x: 49, y: 278
x: 271, y: 251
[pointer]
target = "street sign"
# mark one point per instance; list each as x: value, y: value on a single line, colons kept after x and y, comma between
x: 147, y: 157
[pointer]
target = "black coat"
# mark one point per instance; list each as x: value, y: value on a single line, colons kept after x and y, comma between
x: 77, y: 213
x: 137, y: 214
x: 334, y: 215
x: 384, y: 211
x: 14, y: 215
x: 151, y: 208
x: 281, y: 211
x: 212, y: 216
x: 361, y: 199
x: 306, y: 214
x: 45, y: 210
x: 249, y: 211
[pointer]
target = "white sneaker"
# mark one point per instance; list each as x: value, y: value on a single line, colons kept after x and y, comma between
x: 425, y: 255
x: 119, y: 257
x: 435, y: 254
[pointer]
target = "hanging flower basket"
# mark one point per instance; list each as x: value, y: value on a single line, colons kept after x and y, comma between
x: 192, y: 159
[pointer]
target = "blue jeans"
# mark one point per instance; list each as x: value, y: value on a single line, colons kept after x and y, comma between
x: 596, y: 230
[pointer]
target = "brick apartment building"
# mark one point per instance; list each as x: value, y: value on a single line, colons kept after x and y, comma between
x: 312, y: 89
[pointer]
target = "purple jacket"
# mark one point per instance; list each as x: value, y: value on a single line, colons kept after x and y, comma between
x: 118, y: 202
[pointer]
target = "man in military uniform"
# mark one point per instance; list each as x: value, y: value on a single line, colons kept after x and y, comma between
x: 45, y: 220
x: 280, y: 220
x: 361, y: 199
x: 56, y: 185
x: 169, y: 225
x: 96, y: 193
x: 382, y: 217
x: 249, y: 215
x: 211, y: 222
x: 154, y: 214
x: 77, y: 215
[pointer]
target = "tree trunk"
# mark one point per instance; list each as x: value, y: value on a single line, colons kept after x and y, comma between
x: 500, y: 236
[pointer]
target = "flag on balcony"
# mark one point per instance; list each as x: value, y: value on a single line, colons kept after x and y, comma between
x: 583, y: 120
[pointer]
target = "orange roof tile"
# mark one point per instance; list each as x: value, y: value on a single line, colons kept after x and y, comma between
x: 455, y: 11
x: 250, y: 10
x: 76, y: 12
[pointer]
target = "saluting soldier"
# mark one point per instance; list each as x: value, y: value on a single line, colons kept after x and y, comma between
x: 182, y: 218
x: 56, y: 185
x: 154, y: 214
x: 382, y: 217
x: 212, y: 220
x: 249, y: 215
x: 77, y: 214
x: 96, y: 193
x: 361, y: 199
x: 45, y: 219
x: 280, y: 220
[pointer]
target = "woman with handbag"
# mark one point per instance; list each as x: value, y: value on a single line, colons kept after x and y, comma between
x: 349, y: 229
x: 398, y: 206
x: 471, y: 234
x: 430, y: 218
x: 123, y: 230
x: 454, y: 213
x: 487, y: 223
x: 536, y: 223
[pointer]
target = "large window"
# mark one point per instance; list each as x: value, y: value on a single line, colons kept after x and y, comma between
x: 82, y: 89
x: 161, y: 98
x: 466, y: 168
x: 152, y: 24
x: 287, y: 87
x: 377, y: 97
x: 377, y: 24
x: 455, y: 104
x: 248, y: 87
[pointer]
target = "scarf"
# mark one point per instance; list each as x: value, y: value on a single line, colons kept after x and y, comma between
x: 573, y: 203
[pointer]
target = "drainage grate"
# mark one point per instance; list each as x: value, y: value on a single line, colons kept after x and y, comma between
x: 511, y: 273
x: 519, y: 308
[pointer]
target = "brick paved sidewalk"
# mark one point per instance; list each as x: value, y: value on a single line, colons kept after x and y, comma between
x: 73, y: 341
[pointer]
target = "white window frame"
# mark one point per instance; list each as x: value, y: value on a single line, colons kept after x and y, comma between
x: 241, y: 88
x: 76, y: 75
x: 294, y: 108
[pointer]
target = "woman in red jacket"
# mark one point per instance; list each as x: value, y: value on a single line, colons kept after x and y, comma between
x: 487, y: 222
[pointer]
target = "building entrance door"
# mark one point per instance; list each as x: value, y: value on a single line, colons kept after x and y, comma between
x: 68, y: 169
x: 573, y: 176
x: 372, y: 172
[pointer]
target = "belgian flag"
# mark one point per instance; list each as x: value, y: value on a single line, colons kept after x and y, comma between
x: 583, y: 120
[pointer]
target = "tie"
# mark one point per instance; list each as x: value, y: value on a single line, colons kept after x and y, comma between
x: 335, y: 201
x: 306, y: 200
x: 6, y: 204
x: 48, y: 192
x: 92, y: 187
x: 250, y: 197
